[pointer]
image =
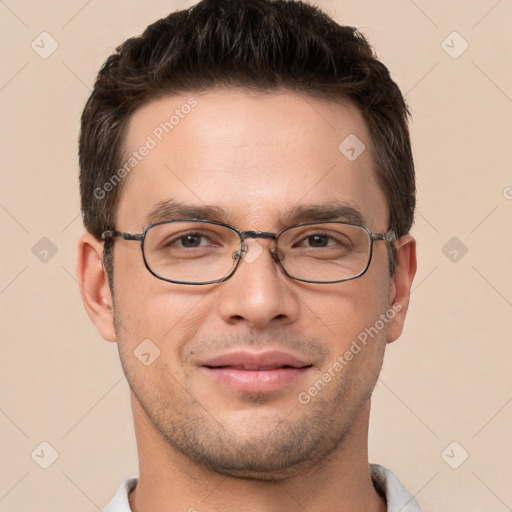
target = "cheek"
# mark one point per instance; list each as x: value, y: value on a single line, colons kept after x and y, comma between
x: 343, y: 312
x: 167, y: 314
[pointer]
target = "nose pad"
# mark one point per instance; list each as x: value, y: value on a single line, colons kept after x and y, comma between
x: 256, y: 250
x: 237, y: 255
x: 251, y: 250
x: 239, y: 252
x: 277, y: 254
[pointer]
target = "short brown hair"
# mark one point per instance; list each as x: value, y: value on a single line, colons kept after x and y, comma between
x: 253, y: 44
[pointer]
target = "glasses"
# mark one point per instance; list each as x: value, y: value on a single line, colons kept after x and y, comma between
x: 199, y: 252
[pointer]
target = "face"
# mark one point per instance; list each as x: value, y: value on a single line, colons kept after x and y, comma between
x: 254, y: 376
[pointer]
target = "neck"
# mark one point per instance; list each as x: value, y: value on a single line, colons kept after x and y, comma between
x: 169, y: 481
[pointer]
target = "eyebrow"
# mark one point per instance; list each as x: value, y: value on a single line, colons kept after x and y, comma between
x: 332, y: 211
x: 171, y: 209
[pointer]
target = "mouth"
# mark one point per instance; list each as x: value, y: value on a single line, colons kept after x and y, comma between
x: 256, y: 373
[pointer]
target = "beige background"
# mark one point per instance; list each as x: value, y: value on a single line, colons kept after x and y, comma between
x: 447, y: 379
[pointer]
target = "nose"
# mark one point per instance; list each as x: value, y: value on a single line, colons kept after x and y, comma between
x: 259, y: 293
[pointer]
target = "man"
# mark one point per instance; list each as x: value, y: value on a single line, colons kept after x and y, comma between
x: 248, y: 188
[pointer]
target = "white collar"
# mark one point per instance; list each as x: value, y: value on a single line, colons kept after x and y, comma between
x: 398, y: 498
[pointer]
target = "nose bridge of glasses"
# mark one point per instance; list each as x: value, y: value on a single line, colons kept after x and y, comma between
x: 254, y: 234
x: 244, y: 235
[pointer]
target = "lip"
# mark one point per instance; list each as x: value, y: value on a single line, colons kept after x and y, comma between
x: 256, y: 372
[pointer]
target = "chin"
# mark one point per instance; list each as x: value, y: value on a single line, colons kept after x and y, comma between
x: 265, y: 472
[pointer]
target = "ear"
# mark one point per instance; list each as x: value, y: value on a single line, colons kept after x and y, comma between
x: 94, y: 288
x: 401, y: 284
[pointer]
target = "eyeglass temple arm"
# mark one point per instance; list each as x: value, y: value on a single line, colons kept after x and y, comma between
x: 389, y: 236
x: 124, y: 236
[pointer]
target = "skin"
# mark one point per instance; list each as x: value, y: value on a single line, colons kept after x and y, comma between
x: 202, y: 446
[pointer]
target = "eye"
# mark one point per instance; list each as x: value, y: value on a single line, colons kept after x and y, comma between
x: 318, y: 240
x: 321, y: 240
x: 193, y: 240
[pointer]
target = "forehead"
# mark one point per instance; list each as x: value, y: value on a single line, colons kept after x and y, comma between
x: 252, y: 157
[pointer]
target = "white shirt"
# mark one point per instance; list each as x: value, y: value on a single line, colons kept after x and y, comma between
x: 398, y: 498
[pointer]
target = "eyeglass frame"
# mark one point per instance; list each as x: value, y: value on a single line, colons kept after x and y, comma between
x: 389, y: 237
